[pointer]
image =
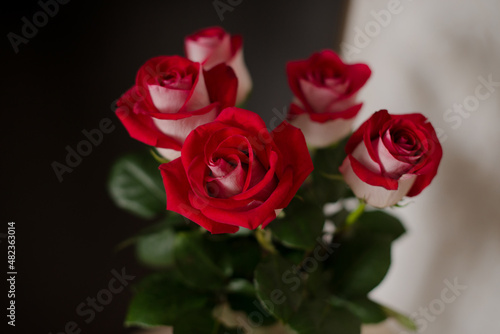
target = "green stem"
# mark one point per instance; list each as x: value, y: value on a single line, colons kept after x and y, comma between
x: 264, y: 238
x: 401, y: 318
x: 354, y: 215
x: 334, y: 177
x: 159, y: 159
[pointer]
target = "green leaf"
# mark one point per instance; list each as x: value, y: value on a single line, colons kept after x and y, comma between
x: 302, y: 225
x: 318, y: 281
x: 135, y: 185
x: 367, y: 310
x: 160, y: 301
x: 360, y: 264
x: 379, y: 223
x: 320, y: 317
x: 329, y: 159
x: 249, y: 305
x: 327, y: 184
x: 156, y: 249
x: 364, y: 257
x: 243, y: 256
x: 238, y: 256
x: 292, y: 255
x: 194, y: 262
x: 278, y: 286
x: 242, y: 297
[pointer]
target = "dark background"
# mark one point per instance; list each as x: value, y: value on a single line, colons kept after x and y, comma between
x: 66, y: 79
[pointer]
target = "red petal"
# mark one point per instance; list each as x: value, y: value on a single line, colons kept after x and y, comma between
x: 294, y: 155
x: 141, y: 126
x: 222, y: 85
x: 177, y: 189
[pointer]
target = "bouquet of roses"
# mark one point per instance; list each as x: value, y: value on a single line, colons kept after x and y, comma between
x: 259, y: 227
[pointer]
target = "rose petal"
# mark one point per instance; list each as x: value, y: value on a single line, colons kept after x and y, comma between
x: 342, y: 104
x: 199, y: 95
x: 222, y: 85
x: 297, y: 109
x: 210, y: 49
x: 236, y: 117
x: 323, y: 83
x: 391, y: 166
x: 258, y: 188
x: 180, y: 128
x: 220, y: 54
x: 363, y: 157
x: 253, y: 216
x: 237, y: 62
x: 358, y: 75
x: 376, y: 196
x: 294, y: 155
x: 168, y: 153
x: 228, y: 183
x: 319, y: 98
x: 141, y: 126
x: 168, y: 100
x: 322, y: 134
x: 177, y: 189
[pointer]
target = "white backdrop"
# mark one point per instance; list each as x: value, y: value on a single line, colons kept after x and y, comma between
x: 433, y: 56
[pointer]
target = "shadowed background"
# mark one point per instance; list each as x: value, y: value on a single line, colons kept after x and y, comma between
x: 66, y: 79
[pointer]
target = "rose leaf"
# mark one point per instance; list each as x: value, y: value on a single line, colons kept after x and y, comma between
x: 135, y: 185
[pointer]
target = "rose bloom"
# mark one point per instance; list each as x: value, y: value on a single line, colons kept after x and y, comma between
x: 391, y: 156
x: 325, y: 91
x: 212, y: 46
x: 171, y: 97
x: 233, y: 172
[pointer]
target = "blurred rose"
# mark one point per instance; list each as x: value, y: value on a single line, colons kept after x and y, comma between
x: 212, y: 46
x: 391, y: 156
x: 325, y: 96
x: 171, y: 97
x: 234, y: 173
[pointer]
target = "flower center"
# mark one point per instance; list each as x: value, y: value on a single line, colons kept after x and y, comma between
x: 226, y: 175
x: 167, y: 79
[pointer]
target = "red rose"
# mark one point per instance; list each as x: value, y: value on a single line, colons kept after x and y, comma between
x: 171, y: 97
x: 233, y: 172
x: 212, y: 46
x: 391, y: 156
x: 325, y: 96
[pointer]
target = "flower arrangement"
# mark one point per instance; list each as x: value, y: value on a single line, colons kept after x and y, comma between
x: 245, y: 229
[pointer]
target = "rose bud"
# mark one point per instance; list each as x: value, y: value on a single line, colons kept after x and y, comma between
x: 233, y: 173
x: 212, y: 46
x: 391, y: 156
x: 171, y: 97
x: 325, y: 91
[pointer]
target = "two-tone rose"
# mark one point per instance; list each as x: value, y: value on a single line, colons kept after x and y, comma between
x: 171, y: 97
x: 234, y: 173
x: 391, y: 156
x: 325, y: 90
x: 213, y: 46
